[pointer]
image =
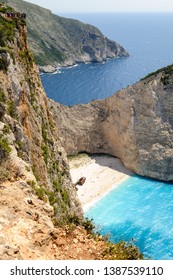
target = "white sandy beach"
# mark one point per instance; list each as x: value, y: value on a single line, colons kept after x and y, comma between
x: 102, y: 173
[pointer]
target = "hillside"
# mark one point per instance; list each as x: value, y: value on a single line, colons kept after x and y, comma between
x: 55, y: 40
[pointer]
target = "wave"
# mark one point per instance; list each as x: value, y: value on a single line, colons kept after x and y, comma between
x: 75, y: 65
x: 56, y: 72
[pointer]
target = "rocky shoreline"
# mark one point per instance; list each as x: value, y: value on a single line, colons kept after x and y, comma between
x: 50, y: 69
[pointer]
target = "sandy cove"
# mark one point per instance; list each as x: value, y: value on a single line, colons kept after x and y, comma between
x: 102, y: 173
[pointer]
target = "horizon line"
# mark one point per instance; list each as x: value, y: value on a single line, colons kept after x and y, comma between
x: 110, y: 12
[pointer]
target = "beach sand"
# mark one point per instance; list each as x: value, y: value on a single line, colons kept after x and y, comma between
x: 102, y: 173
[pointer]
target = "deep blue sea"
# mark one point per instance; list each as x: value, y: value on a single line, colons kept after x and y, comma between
x: 147, y: 38
x: 139, y: 208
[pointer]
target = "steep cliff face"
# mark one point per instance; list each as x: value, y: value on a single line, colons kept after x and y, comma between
x: 28, y: 135
x: 135, y: 125
x: 56, y: 40
x: 36, y: 192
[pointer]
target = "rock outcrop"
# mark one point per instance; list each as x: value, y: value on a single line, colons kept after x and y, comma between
x: 135, y: 125
x: 59, y: 41
x: 29, y: 144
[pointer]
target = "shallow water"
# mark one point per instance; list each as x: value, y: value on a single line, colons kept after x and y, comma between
x: 139, y: 209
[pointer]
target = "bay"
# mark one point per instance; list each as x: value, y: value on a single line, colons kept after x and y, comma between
x: 139, y: 209
x: 147, y: 38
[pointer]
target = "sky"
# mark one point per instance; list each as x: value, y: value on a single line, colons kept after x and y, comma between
x: 70, y: 6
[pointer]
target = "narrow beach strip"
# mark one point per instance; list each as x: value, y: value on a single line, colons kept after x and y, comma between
x: 102, y: 173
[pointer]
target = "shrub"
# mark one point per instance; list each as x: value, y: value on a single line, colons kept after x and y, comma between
x: 52, y: 198
x: 122, y: 251
x: 35, y: 172
x: 45, y: 153
x: 5, y: 174
x: 39, y: 191
x: 2, y: 96
x: 11, y: 109
x: 65, y: 196
x: 56, y: 185
x: 88, y: 225
x: 3, y: 63
x: 4, y: 147
x: 6, y: 129
x: 7, y: 30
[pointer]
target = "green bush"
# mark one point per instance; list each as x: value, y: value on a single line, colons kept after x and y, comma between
x: 6, y: 129
x: 122, y: 251
x: 52, y: 198
x: 2, y: 96
x: 39, y: 191
x: 11, y: 109
x: 5, y: 174
x: 7, y: 30
x: 45, y: 153
x: 56, y: 185
x: 3, y: 63
x: 88, y: 225
x: 168, y: 70
x: 4, y: 147
x: 44, y: 132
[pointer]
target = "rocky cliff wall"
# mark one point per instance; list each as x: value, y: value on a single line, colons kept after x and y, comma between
x: 29, y: 142
x: 135, y: 125
x: 36, y: 192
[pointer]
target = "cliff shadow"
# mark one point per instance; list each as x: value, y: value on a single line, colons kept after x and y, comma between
x: 110, y: 162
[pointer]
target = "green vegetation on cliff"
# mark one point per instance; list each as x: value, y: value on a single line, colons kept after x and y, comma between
x: 166, y: 72
x: 36, y: 184
x: 57, y: 40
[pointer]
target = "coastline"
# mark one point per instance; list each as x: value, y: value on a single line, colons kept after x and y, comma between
x: 52, y: 69
x: 102, y: 173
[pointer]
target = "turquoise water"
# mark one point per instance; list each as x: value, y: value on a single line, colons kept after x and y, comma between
x: 141, y: 209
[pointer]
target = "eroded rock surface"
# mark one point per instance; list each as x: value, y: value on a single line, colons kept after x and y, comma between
x: 135, y: 125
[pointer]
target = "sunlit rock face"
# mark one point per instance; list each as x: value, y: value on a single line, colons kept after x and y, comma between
x: 135, y: 125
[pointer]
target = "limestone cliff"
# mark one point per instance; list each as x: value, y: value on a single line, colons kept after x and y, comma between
x: 135, y: 125
x: 36, y: 192
x: 28, y: 134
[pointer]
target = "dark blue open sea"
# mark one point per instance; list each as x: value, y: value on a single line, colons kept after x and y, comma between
x: 139, y: 208
x: 149, y: 41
